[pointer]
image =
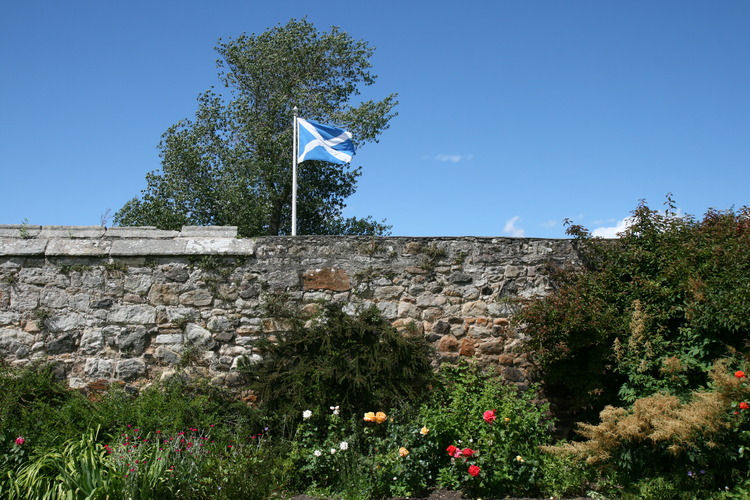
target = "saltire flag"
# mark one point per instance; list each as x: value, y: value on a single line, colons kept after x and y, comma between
x: 323, y: 142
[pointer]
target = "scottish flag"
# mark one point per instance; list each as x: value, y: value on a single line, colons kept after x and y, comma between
x: 323, y: 142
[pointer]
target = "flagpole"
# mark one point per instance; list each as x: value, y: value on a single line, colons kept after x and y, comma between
x: 295, y: 140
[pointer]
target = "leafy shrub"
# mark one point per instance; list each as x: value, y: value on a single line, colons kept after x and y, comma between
x: 381, y: 455
x: 649, y: 313
x: 35, y: 404
x: 356, y: 363
x: 177, y: 404
x: 501, y: 427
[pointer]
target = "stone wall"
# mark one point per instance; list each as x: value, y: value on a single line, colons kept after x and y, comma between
x: 134, y: 304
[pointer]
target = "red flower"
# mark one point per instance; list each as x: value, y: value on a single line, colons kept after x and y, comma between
x: 451, y: 450
x: 739, y: 374
x: 467, y: 452
x: 474, y: 470
x: 20, y: 440
x: 489, y: 416
x: 744, y: 406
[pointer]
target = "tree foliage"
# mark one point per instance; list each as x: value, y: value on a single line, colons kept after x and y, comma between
x: 651, y: 311
x: 232, y: 164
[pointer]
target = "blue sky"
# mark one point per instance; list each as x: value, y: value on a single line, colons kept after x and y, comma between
x: 513, y: 115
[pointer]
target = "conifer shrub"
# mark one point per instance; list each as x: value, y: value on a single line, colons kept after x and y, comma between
x: 661, y: 443
x: 356, y: 362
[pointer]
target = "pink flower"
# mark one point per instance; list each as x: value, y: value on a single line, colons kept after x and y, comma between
x: 474, y: 470
x: 489, y: 416
x: 20, y: 440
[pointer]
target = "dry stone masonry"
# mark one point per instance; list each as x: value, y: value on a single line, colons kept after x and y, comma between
x: 133, y: 304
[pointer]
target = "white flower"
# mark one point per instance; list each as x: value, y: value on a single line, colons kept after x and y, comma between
x: 306, y: 414
x: 317, y: 453
x: 335, y: 410
x: 343, y: 445
x: 333, y: 451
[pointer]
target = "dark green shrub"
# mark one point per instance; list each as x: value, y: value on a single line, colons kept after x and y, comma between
x: 649, y: 313
x: 38, y: 406
x: 176, y: 405
x: 360, y: 363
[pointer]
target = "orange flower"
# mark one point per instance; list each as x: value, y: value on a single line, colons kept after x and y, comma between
x: 739, y: 374
x: 369, y: 416
x: 403, y: 451
x: 380, y: 417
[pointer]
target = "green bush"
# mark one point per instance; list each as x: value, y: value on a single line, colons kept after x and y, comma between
x: 38, y: 406
x: 650, y: 312
x: 501, y: 427
x: 355, y: 362
x: 175, y: 405
x: 361, y: 457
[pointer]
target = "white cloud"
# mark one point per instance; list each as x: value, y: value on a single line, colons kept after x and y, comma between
x: 550, y: 223
x: 612, y: 231
x: 511, y: 229
x: 453, y: 158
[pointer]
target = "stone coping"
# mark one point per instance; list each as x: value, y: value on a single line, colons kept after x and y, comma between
x: 24, y: 240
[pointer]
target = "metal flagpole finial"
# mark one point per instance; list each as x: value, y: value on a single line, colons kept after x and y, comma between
x: 295, y: 111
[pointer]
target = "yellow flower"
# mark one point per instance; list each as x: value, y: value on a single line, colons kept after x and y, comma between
x: 424, y: 431
x: 369, y: 417
x: 519, y: 458
x: 380, y: 417
x: 403, y: 451
x: 506, y: 419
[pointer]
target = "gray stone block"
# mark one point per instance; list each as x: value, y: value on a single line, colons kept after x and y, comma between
x: 22, y: 247
x: 19, y: 231
x: 148, y: 232
x: 145, y: 247
x: 209, y: 231
x: 78, y: 247
x: 98, y: 368
x: 220, y: 246
x: 72, y: 232
x: 138, y: 315
x: 129, y: 369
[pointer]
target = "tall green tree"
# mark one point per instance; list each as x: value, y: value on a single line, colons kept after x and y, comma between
x: 232, y: 164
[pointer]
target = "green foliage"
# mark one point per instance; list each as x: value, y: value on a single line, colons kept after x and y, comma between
x: 174, y: 405
x: 356, y: 362
x: 503, y: 426
x: 664, y: 445
x: 231, y: 165
x: 24, y: 229
x: 75, y: 470
x: 332, y: 456
x: 650, y: 312
x: 34, y: 404
x: 432, y: 255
